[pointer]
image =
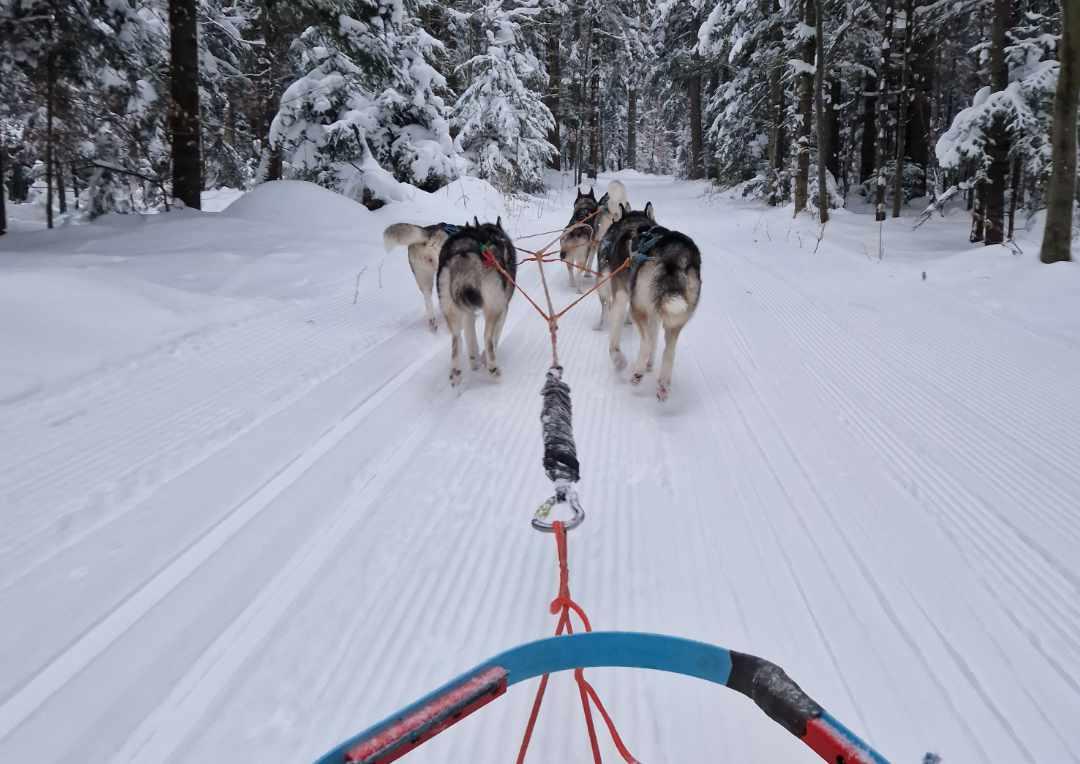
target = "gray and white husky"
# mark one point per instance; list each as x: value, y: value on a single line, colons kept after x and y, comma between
x: 578, y: 238
x: 662, y: 286
x: 468, y: 283
x: 589, y: 222
x: 424, y: 243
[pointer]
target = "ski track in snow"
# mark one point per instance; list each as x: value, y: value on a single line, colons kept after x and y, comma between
x: 294, y: 526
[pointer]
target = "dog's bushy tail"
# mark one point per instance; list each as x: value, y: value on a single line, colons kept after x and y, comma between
x: 616, y: 195
x: 404, y: 235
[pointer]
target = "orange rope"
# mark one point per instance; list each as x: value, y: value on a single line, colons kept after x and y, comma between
x: 563, y: 605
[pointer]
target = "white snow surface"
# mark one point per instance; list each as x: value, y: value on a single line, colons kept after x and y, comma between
x: 244, y: 516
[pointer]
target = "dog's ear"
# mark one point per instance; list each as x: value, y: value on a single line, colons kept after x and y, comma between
x: 476, y: 221
x: 592, y: 193
x: 498, y: 223
x: 649, y: 212
x: 579, y: 194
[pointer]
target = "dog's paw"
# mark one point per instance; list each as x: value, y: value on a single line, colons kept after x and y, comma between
x: 618, y: 359
x: 455, y: 377
x: 433, y: 324
x: 474, y: 363
x: 636, y: 377
x: 495, y: 372
x: 663, y: 390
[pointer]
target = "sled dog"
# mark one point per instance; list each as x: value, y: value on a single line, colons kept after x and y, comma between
x: 661, y: 287
x: 468, y: 282
x: 576, y: 243
x: 424, y: 243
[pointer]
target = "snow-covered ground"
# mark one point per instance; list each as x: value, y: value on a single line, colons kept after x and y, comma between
x: 243, y: 515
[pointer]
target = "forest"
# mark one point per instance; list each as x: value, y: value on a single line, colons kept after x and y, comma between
x: 140, y: 105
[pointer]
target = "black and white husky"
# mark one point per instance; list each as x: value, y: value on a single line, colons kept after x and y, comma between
x: 469, y: 282
x: 424, y: 243
x: 661, y: 286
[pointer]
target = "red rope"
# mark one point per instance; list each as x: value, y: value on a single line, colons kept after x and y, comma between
x: 562, y: 606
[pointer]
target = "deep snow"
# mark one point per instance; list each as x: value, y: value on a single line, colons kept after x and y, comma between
x: 244, y: 516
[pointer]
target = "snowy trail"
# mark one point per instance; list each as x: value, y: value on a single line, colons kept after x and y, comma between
x: 296, y: 527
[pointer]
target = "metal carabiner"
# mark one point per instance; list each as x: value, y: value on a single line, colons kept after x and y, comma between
x: 563, y: 495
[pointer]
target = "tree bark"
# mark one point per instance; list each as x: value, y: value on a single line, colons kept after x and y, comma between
x: 902, y: 110
x: 822, y: 134
x: 1057, y: 238
x: 697, y: 141
x: 184, y: 119
x: 806, y: 106
x: 883, y: 111
x: 998, y: 175
x: 869, y: 130
x: 1014, y: 194
x: 75, y: 184
x: 978, y: 212
x: 631, y: 127
x: 554, y: 67
x: 50, y: 97
x: 61, y: 192
x: 832, y: 120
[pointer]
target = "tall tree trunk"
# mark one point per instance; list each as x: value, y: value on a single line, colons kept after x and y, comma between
x: 883, y: 110
x: 554, y: 67
x: 1014, y: 194
x: 822, y: 127
x: 806, y: 106
x: 697, y: 140
x: 273, y: 59
x: 50, y: 97
x: 919, y: 109
x: 832, y: 122
x: 594, y: 125
x: 184, y: 109
x: 3, y: 190
x: 902, y: 110
x: 869, y: 129
x: 75, y: 184
x: 999, y: 135
x: 978, y: 212
x: 771, y: 10
x: 61, y: 192
x: 631, y: 127
x: 1057, y: 238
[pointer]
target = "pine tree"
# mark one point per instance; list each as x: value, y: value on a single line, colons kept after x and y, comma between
x: 502, y: 119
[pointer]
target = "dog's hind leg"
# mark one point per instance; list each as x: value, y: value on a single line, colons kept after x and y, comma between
x: 603, y: 292
x: 618, y: 309
x: 425, y: 281
x: 453, y: 323
x: 492, y: 329
x: 648, y: 326
x: 470, y: 338
x: 663, y: 382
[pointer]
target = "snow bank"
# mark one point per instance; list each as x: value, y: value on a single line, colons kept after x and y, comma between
x: 296, y: 202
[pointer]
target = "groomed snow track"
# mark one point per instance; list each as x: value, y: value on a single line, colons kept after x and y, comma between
x: 251, y: 543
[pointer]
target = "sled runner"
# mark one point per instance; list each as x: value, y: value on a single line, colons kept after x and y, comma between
x: 763, y: 682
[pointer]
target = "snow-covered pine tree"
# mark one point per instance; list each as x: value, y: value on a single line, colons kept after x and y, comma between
x: 502, y: 120
x: 368, y: 104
